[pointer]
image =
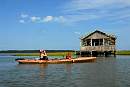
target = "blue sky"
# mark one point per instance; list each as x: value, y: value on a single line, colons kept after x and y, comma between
x: 58, y: 24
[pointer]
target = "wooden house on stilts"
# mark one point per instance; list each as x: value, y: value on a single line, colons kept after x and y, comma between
x: 97, y: 43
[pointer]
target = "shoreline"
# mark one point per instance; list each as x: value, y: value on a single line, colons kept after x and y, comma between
x: 37, y: 54
x: 61, y: 53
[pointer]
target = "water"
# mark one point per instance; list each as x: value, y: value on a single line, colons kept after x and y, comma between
x: 105, y: 72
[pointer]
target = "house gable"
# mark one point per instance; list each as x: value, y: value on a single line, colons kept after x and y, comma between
x: 97, y: 35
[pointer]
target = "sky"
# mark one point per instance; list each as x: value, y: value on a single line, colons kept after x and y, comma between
x: 59, y: 24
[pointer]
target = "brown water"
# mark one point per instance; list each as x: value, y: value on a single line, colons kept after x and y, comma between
x: 105, y: 72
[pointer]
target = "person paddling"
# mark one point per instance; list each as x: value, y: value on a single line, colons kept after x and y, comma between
x: 43, y: 55
x: 68, y: 56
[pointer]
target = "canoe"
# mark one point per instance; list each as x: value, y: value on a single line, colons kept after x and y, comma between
x: 56, y: 61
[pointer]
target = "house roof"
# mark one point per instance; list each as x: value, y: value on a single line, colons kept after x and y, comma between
x: 97, y: 31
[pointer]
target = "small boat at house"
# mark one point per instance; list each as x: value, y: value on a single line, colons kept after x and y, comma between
x: 55, y: 61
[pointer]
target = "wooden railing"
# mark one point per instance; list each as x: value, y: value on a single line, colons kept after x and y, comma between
x: 98, y: 48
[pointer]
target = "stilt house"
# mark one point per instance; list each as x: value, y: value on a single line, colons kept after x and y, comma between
x: 97, y: 43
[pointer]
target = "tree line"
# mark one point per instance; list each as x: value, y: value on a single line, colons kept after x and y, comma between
x: 32, y: 51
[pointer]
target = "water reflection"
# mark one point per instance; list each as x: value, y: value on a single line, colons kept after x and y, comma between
x: 32, y: 72
x: 68, y: 68
x: 103, y: 73
x: 42, y: 70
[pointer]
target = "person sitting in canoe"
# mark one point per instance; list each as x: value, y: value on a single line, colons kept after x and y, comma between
x: 43, y: 55
x: 68, y: 56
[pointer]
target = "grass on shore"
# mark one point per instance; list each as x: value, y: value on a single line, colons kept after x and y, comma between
x: 123, y: 52
x: 49, y: 54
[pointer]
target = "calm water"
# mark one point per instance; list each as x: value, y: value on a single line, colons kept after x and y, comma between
x: 105, y: 72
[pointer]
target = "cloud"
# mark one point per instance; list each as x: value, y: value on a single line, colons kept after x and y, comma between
x: 75, y: 11
x: 24, y: 15
x: 41, y: 19
x: 85, y: 10
x: 60, y: 19
x: 77, y: 33
x: 48, y: 18
x: 21, y: 21
x: 96, y: 4
x: 35, y: 19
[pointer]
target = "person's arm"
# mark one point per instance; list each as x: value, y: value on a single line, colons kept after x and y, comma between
x: 45, y: 54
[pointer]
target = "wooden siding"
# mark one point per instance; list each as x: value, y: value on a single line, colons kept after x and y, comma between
x: 98, y: 48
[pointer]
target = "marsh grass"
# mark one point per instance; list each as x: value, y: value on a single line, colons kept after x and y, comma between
x: 49, y: 54
x: 123, y: 52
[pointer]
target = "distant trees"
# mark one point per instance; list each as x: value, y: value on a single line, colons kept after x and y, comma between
x: 32, y: 51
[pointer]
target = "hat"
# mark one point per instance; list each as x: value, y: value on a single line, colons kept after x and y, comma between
x: 41, y: 50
